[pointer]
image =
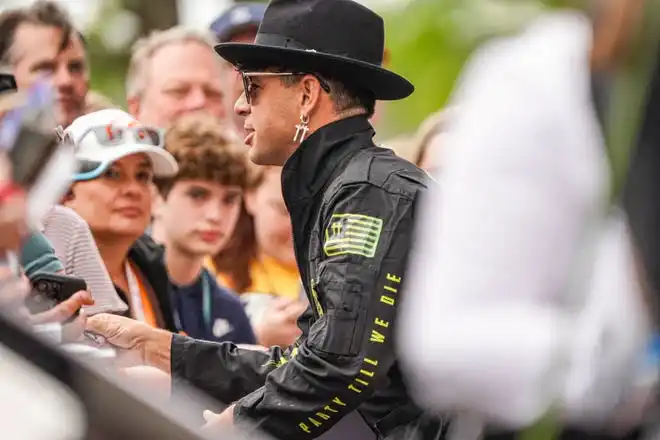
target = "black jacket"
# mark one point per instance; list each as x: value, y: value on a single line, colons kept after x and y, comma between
x: 147, y: 255
x: 352, y: 208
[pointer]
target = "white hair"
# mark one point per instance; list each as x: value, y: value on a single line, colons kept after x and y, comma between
x: 145, y: 48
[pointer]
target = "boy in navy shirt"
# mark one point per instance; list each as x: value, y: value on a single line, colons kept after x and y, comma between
x: 195, y: 217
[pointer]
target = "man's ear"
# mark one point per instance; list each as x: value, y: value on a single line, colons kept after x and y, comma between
x: 133, y: 106
x: 311, y: 94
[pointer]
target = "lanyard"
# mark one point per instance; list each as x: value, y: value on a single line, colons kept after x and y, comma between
x: 206, y: 305
x: 134, y: 292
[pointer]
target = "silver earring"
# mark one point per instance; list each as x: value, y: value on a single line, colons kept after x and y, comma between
x: 301, y: 129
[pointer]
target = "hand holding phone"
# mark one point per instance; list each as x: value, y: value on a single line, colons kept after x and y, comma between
x: 49, y: 290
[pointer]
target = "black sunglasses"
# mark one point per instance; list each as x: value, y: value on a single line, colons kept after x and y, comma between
x: 248, y: 86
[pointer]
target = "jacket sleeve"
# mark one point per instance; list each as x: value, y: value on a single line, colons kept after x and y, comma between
x: 364, y: 241
x: 224, y: 371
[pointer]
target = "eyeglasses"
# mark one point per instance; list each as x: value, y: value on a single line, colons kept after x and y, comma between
x: 109, y: 136
x: 249, y: 87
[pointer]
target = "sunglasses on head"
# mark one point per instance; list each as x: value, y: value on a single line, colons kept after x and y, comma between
x: 110, y: 136
x: 249, y: 88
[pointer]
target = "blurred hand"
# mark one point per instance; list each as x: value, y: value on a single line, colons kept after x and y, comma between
x: 13, y: 226
x: 218, y: 423
x: 152, y: 381
x: 136, y: 342
x: 71, y: 331
x: 278, y: 326
x: 64, y: 310
x: 13, y: 292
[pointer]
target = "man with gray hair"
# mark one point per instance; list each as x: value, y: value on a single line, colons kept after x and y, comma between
x: 174, y: 72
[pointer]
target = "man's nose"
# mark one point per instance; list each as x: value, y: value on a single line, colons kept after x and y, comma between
x: 241, y: 107
x: 62, y: 77
x: 195, y: 100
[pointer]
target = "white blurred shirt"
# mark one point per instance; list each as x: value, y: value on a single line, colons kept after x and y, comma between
x: 502, y: 317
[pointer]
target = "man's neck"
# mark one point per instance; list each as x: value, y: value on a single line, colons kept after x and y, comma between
x: 182, y: 267
x: 114, y: 254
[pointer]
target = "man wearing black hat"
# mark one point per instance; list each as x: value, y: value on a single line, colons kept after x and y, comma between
x: 309, y: 91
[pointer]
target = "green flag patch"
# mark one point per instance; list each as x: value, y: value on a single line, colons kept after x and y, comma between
x: 355, y: 234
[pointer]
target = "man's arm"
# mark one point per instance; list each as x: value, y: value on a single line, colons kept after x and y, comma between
x: 224, y: 371
x: 349, y: 351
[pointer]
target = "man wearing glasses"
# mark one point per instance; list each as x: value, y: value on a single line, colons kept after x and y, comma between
x: 306, y: 106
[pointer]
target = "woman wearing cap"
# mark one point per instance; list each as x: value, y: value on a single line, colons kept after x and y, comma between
x: 112, y: 191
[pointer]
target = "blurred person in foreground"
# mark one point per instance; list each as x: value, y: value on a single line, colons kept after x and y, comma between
x: 40, y: 41
x: 174, y: 72
x: 198, y: 213
x: 118, y: 160
x: 525, y: 304
x: 36, y: 42
x: 307, y: 107
x: 36, y: 256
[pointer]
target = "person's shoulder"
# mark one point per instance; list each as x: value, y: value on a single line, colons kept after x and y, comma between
x: 60, y: 216
x: 382, y: 171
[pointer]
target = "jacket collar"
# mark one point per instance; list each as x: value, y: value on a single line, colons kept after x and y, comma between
x: 315, y: 160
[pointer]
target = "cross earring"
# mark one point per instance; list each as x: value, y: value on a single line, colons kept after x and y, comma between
x: 301, y: 129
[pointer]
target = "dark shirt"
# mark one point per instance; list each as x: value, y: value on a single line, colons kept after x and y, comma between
x: 228, y: 320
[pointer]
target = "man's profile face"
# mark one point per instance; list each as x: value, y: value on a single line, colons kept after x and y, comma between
x: 233, y: 82
x: 36, y: 54
x: 180, y: 78
x: 270, y: 120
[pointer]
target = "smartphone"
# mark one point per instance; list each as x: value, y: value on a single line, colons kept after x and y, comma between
x: 28, y: 134
x: 41, y: 164
x: 30, y: 154
x: 7, y: 83
x: 49, y: 290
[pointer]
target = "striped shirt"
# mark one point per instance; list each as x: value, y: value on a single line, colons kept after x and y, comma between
x: 75, y: 247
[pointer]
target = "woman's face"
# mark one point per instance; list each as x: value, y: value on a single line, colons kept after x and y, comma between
x: 272, y: 224
x: 117, y: 204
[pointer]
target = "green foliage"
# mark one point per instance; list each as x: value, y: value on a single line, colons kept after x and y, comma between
x: 422, y: 50
x: 430, y: 40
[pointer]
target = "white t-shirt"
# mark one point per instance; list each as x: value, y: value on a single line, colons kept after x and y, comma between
x: 493, y: 322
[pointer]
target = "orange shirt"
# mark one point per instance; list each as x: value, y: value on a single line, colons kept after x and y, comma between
x: 268, y: 276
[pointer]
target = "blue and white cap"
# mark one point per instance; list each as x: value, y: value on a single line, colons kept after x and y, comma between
x: 103, y: 137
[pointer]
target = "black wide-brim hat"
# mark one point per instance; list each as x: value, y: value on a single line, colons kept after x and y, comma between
x: 340, y: 39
